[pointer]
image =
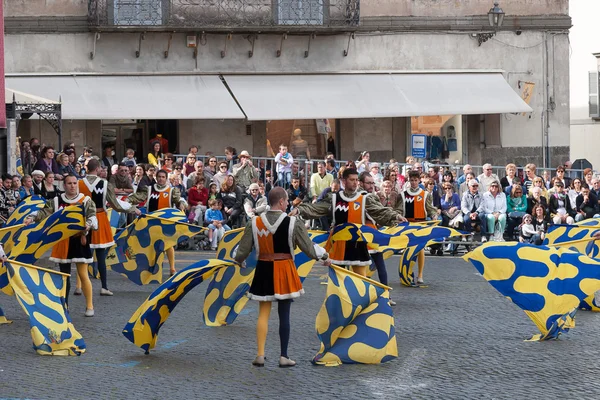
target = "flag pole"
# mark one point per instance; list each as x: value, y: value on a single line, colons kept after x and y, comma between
x: 364, y: 278
x: 11, y: 261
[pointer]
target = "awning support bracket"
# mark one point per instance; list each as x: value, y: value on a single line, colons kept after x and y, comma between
x: 252, y: 39
x: 200, y: 39
x: 139, y: 50
x: 169, y: 45
x: 227, y: 39
x: 350, y: 37
x: 283, y: 37
x: 96, y: 38
x: 312, y: 36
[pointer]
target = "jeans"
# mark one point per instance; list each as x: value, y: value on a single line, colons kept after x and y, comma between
x: 481, y: 221
x: 217, y: 233
x: 284, y: 179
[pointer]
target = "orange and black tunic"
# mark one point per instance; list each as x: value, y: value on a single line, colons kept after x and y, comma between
x: 96, y: 190
x: 415, y: 205
x: 276, y: 277
x: 71, y: 250
x: 349, y: 210
x: 159, y: 199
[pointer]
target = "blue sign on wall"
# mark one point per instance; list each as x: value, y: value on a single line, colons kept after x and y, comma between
x: 419, y: 146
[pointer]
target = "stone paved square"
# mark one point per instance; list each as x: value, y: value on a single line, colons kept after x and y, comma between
x: 457, y: 339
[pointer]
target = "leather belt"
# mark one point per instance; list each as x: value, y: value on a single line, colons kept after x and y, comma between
x: 275, y: 257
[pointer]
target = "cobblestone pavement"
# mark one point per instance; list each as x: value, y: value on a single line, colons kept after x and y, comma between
x: 457, y: 339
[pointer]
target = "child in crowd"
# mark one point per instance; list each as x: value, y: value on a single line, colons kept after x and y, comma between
x: 129, y: 156
x: 284, y: 161
x: 528, y: 232
x: 213, y: 191
x: 216, y: 223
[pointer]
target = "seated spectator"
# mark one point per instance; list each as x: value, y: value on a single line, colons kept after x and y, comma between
x: 245, y: 172
x: 471, y: 206
x: 79, y: 171
x: 198, y: 201
x: 231, y: 197
x: 216, y: 223
x: 574, y: 191
x: 46, y: 162
x: 130, y: 157
x: 511, y: 175
x: 168, y: 164
x: 220, y: 177
x: 387, y: 196
x: 494, y: 207
x: 155, y: 157
x: 38, y: 178
x: 560, y: 206
x: 175, y: 181
x: 435, y: 196
x: 213, y: 191
x: 188, y: 167
x: 319, y: 181
x: 376, y: 174
x: 138, y: 176
x: 508, y: 189
x: 464, y: 187
x: 49, y: 191
x: 331, y: 167
x: 528, y: 232
x: 149, y: 178
x: 255, y: 202
x: 448, y: 178
x: 540, y: 221
x: 487, y: 177
x: 466, y: 170
x: 535, y: 199
x: 587, y: 205
x: 409, y: 162
x: 516, y: 207
x: 588, y: 174
x: 450, y: 205
x: 530, y: 174
x: 26, y: 189
x: 546, y: 178
x: 296, y: 193
x: 560, y: 174
x: 539, y: 182
x: 396, y: 179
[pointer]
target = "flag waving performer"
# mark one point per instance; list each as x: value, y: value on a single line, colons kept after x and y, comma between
x: 416, y: 205
x: 159, y: 196
x: 354, y: 206
x: 274, y: 236
x: 76, y: 249
x: 101, y: 192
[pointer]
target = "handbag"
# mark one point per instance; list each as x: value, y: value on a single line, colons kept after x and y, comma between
x: 456, y: 221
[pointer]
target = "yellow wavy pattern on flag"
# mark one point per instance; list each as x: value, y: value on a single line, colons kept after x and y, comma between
x: 139, y: 249
x: 143, y: 326
x: 226, y: 293
x: 355, y: 323
x: 548, y: 283
x: 3, y: 319
x: 41, y: 294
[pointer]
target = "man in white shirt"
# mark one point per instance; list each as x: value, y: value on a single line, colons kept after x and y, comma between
x: 486, y: 178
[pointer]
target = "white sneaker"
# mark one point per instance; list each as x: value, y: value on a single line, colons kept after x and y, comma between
x: 77, y: 292
x: 483, y: 239
x: 89, y: 313
x: 105, y: 292
x: 420, y: 281
x: 464, y: 239
x: 392, y: 302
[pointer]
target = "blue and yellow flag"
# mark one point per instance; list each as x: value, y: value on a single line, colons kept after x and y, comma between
x: 226, y: 293
x: 417, y: 240
x: 547, y: 283
x: 364, y: 233
x: 41, y: 294
x: 143, y: 326
x: 26, y: 207
x: 139, y: 249
x: 29, y: 243
x: 3, y: 319
x: 355, y: 323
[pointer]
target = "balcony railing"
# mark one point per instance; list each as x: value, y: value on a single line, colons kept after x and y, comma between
x: 224, y: 14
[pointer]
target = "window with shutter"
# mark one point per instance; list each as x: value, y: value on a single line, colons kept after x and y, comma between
x: 300, y: 12
x: 593, y: 90
x: 138, y: 12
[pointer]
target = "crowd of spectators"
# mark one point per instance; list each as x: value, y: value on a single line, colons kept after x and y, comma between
x: 224, y: 192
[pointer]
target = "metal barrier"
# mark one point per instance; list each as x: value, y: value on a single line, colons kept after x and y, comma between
x: 309, y: 167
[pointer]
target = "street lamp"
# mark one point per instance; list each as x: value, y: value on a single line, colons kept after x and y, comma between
x: 496, y: 18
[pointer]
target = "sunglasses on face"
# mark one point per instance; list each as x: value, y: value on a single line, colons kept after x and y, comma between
x: 223, y: 166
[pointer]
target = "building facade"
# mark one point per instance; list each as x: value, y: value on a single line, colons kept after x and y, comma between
x: 367, y: 74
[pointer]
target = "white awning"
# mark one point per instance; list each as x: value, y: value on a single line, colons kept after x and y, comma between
x: 24, y: 98
x: 372, y: 95
x: 134, y: 97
